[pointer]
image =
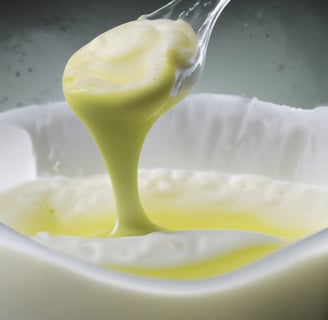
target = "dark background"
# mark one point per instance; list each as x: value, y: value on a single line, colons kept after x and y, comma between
x: 274, y: 50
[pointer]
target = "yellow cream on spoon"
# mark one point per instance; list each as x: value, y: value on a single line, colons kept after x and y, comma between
x: 119, y: 84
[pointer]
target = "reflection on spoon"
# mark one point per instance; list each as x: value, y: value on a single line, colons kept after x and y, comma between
x: 202, y: 16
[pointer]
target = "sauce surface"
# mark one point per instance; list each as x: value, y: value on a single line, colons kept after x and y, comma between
x: 74, y: 214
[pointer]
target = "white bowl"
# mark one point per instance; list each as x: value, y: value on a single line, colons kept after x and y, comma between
x: 205, y: 132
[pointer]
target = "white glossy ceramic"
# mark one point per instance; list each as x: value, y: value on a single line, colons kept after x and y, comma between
x: 208, y: 132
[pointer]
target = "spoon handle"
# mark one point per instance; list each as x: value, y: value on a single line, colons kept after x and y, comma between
x: 200, y: 14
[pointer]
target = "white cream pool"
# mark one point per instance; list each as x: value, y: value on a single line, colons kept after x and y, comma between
x: 230, y: 153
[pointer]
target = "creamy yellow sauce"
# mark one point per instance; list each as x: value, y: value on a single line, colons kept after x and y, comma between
x: 97, y: 223
x: 119, y: 84
x: 86, y: 208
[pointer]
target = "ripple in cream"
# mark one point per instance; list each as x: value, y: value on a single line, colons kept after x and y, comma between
x: 221, y: 222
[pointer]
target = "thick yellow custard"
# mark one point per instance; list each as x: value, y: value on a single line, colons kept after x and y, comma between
x: 119, y: 84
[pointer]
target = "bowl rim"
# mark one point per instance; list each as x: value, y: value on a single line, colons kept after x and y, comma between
x: 297, y: 252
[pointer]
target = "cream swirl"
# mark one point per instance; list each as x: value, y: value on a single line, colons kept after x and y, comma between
x: 130, y: 64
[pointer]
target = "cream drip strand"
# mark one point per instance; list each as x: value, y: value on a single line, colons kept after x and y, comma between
x: 118, y: 85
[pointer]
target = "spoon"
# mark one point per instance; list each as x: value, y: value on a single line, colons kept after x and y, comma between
x: 201, y: 16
